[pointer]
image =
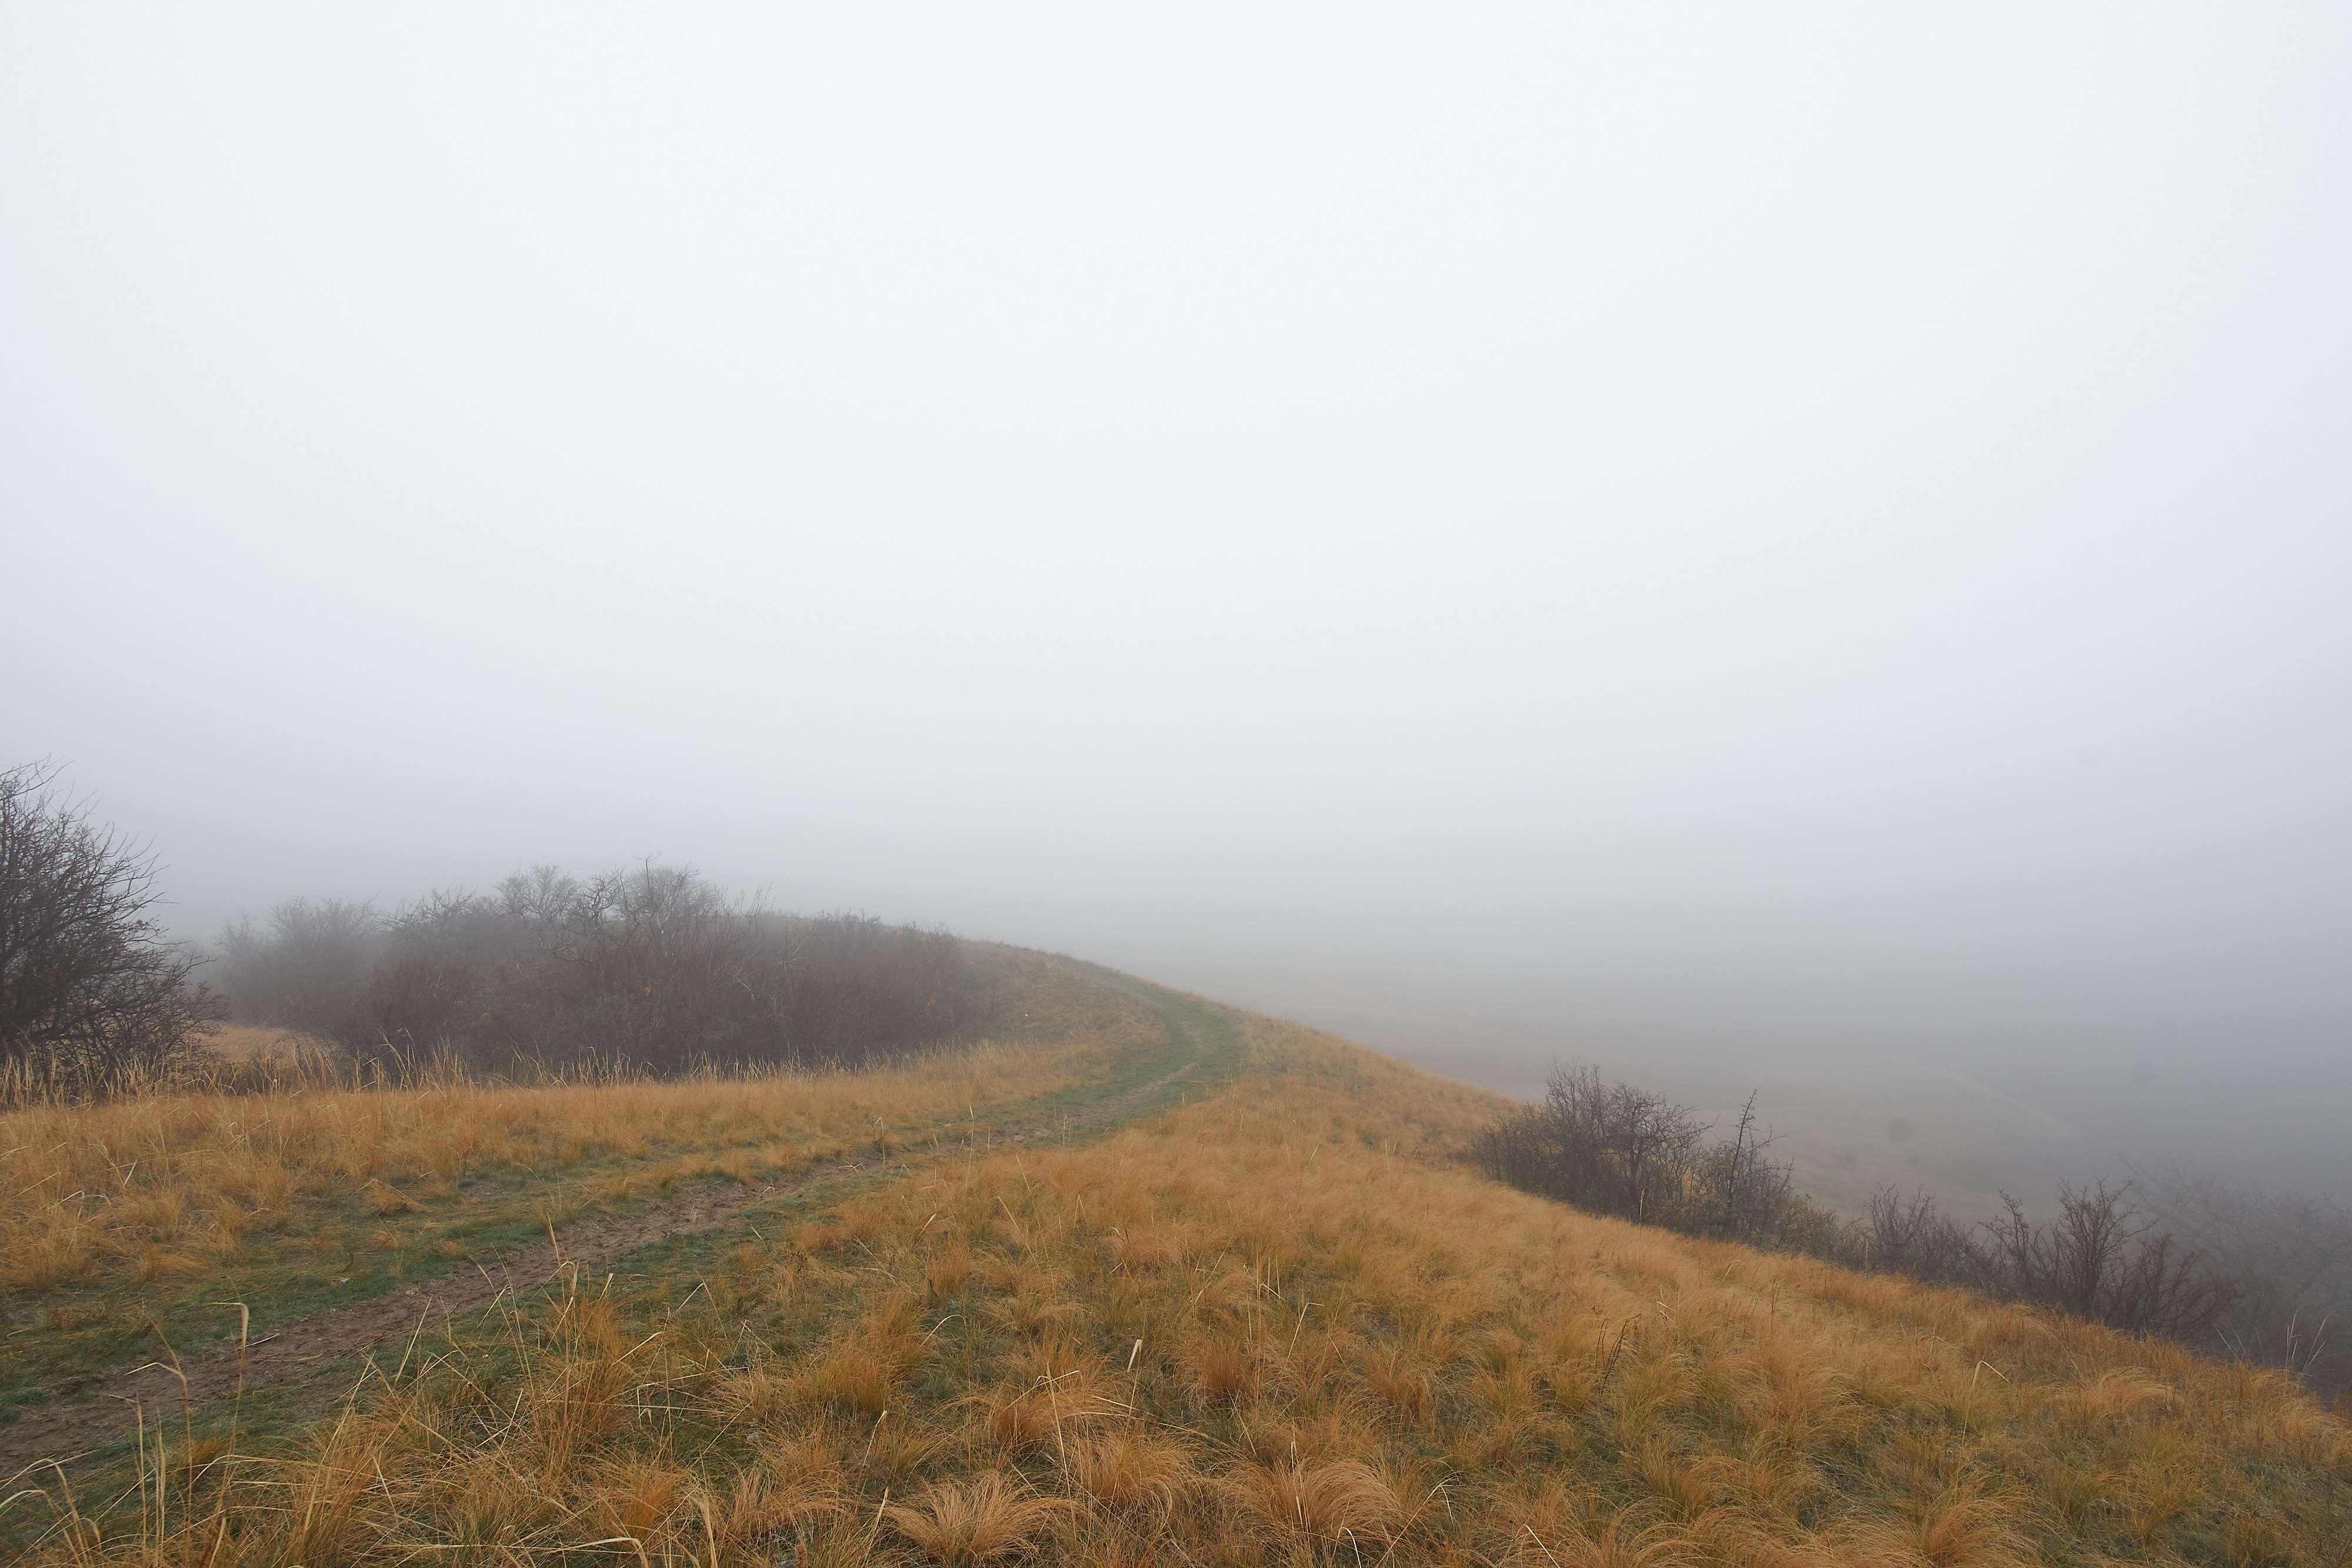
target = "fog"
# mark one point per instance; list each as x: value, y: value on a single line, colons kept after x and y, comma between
x: 1804, y: 546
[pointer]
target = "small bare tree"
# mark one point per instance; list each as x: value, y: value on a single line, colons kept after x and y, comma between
x: 93, y: 994
x: 1742, y: 1191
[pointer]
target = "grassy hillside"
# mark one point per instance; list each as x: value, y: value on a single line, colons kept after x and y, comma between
x: 1151, y: 1281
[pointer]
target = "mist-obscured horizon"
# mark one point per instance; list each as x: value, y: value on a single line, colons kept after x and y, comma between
x: 1806, y: 551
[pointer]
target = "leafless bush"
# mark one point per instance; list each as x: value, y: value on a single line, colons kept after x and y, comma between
x: 1909, y: 1233
x: 93, y: 995
x: 651, y: 964
x: 2099, y: 1258
x: 1607, y: 1147
x: 2289, y: 1256
x: 1614, y: 1149
x: 308, y: 970
x: 1740, y: 1191
x: 1617, y: 1150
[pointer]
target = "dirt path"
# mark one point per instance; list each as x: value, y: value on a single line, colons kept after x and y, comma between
x: 293, y: 1351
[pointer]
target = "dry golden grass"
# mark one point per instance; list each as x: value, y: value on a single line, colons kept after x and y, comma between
x: 175, y: 1181
x: 977, y: 1519
x: 1285, y: 1325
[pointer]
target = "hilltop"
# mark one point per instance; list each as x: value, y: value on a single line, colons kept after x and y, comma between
x: 1142, y: 1278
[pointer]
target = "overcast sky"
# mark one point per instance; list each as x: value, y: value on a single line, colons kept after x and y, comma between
x: 1628, y: 527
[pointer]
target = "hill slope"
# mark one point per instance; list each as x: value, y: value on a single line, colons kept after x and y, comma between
x: 1179, y: 1285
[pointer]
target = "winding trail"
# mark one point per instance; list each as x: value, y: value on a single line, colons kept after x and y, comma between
x: 298, y: 1350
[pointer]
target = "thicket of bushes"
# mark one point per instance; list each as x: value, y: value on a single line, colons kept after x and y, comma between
x: 652, y: 966
x: 2258, y: 1276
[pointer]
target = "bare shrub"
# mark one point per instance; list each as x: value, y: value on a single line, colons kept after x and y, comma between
x: 1739, y: 1190
x: 651, y: 964
x: 1614, y: 1149
x: 1607, y: 1147
x: 1909, y: 1233
x: 93, y: 994
x: 309, y: 971
x: 1617, y: 1150
x: 2290, y: 1259
x: 2100, y: 1259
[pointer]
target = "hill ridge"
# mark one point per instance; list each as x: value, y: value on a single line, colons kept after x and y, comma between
x: 1271, y: 1314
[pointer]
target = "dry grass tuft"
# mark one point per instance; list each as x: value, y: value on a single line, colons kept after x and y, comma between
x: 979, y: 1519
x: 1313, y: 1504
x: 1131, y: 1472
x: 41, y: 1257
x: 1221, y: 1370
